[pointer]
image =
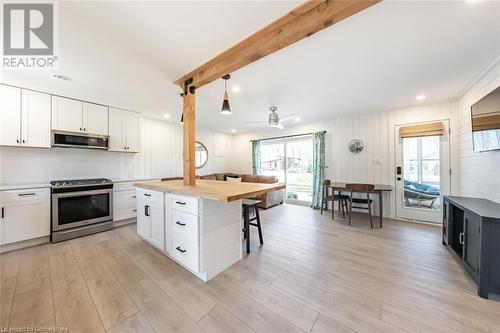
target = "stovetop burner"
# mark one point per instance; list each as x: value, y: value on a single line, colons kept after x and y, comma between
x: 80, y: 182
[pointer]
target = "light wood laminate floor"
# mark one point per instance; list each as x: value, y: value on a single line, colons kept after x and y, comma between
x: 313, y: 274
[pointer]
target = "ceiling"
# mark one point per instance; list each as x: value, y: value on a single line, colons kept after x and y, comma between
x: 127, y: 54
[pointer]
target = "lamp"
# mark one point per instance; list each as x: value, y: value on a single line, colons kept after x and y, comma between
x: 226, y: 109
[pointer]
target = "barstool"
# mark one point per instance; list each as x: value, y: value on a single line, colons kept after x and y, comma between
x: 248, y: 206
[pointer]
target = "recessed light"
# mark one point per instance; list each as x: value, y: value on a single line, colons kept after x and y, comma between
x: 233, y: 131
x: 297, y: 119
x: 166, y: 116
x: 236, y: 89
x: 61, y: 77
x: 421, y: 97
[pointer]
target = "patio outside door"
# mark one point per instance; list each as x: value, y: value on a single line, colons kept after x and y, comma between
x: 290, y: 160
x: 422, y: 175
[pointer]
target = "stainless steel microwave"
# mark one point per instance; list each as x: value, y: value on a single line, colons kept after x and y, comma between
x: 79, y: 140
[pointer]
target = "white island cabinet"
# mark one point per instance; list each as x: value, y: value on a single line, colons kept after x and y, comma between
x: 199, y: 227
x: 202, y: 235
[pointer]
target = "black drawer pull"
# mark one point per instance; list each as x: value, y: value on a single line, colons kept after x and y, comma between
x: 135, y: 210
x: 133, y: 196
x: 3, y: 212
x: 26, y: 194
x: 146, y: 194
x: 178, y: 248
x: 180, y: 203
x: 181, y: 224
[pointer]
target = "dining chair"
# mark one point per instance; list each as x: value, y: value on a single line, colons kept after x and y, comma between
x: 327, y: 197
x: 360, y: 202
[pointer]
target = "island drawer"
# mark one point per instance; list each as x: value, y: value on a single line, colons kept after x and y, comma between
x: 184, y: 224
x: 183, y: 203
x: 185, y: 252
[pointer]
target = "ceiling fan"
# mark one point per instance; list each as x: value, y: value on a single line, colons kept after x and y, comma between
x: 274, y: 119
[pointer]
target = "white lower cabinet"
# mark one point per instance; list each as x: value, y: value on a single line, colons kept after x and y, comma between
x: 202, y: 235
x: 151, y: 217
x: 24, y: 215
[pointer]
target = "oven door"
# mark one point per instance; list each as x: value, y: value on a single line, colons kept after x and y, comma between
x: 74, y: 209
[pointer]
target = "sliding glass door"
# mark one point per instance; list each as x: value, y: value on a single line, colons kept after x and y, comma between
x: 290, y: 160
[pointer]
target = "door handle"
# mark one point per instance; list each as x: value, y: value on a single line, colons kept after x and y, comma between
x: 399, y: 178
x: 178, y: 248
x: 461, y: 239
x: 181, y: 224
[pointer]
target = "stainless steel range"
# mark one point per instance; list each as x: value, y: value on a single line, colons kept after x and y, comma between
x: 81, y: 207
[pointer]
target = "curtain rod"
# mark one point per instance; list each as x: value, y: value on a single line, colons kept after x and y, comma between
x: 286, y: 136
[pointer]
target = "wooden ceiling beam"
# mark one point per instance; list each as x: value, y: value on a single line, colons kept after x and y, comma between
x: 303, y: 21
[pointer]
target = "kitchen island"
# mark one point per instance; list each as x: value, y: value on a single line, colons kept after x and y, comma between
x: 200, y: 226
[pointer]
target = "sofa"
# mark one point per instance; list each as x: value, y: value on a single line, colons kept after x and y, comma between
x: 268, y: 199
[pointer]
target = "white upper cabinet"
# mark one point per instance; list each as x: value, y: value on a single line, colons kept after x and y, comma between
x: 35, y: 121
x: 132, y: 121
x: 123, y: 130
x: 25, y: 118
x: 95, y: 119
x: 67, y: 114
x: 10, y: 116
x: 76, y: 116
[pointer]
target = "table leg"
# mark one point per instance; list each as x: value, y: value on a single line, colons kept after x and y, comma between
x: 381, y: 206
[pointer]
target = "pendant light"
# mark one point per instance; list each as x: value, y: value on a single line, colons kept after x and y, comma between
x: 226, y: 109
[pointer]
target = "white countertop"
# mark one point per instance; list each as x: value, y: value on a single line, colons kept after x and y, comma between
x: 7, y: 187
x: 24, y: 186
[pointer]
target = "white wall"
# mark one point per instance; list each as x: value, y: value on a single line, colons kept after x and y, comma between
x: 160, y: 156
x: 479, y: 172
x: 375, y: 164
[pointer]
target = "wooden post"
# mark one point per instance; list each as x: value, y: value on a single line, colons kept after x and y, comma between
x: 189, y: 109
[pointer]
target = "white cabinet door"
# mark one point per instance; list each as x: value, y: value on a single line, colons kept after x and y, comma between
x: 95, y: 119
x: 143, y: 217
x: 24, y: 217
x: 157, y: 226
x: 10, y: 116
x: 67, y: 114
x: 117, y: 140
x: 132, y: 121
x: 35, y: 124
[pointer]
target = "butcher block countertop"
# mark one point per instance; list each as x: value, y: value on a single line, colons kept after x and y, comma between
x: 213, y: 189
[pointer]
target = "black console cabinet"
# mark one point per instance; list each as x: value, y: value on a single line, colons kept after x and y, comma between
x: 471, y: 228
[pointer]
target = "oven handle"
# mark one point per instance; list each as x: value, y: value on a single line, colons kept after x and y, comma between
x: 82, y: 193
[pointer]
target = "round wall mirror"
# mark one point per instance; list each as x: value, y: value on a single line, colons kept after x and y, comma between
x: 200, y: 155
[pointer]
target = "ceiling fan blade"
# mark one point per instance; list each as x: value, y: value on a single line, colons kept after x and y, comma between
x: 254, y: 122
x: 288, y: 118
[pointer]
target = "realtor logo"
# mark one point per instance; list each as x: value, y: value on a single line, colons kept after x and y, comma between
x: 28, y: 35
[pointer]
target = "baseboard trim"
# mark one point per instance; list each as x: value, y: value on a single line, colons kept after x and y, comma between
x: 24, y: 244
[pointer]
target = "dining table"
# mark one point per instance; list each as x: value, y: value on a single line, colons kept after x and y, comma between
x: 378, y: 190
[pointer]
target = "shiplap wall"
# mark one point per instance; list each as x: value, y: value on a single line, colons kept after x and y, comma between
x: 160, y: 156
x: 375, y: 164
x: 479, y: 172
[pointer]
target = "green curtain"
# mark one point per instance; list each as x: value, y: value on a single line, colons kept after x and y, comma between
x: 318, y: 168
x: 256, y: 157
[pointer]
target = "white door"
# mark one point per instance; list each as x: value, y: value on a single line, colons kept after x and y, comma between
x: 24, y: 220
x: 143, y: 217
x: 422, y: 175
x: 67, y: 114
x: 132, y: 121
x: 10, y: 116
x: 95, y: 119
x: 35, y: 125
x: 116, y: 130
